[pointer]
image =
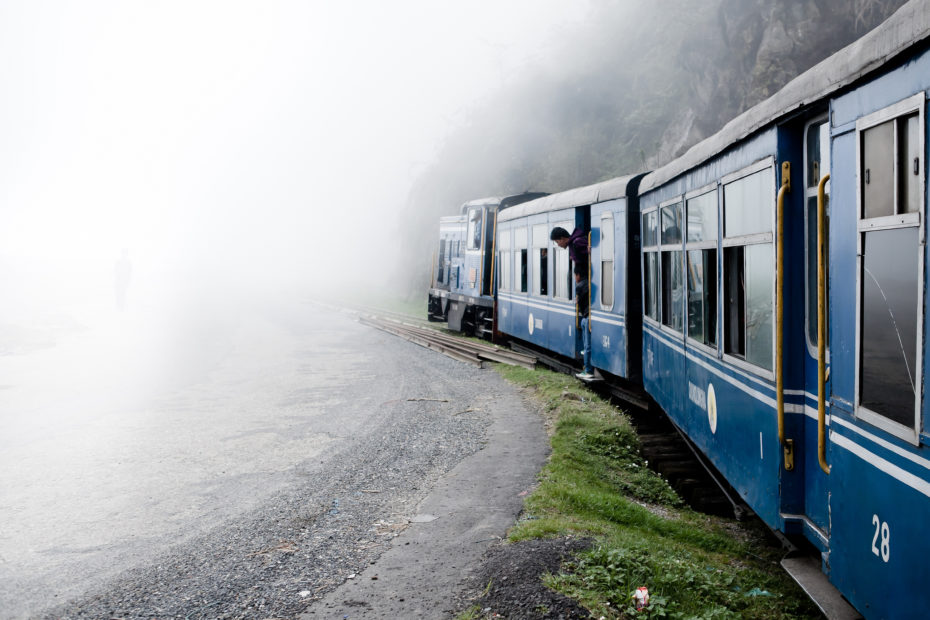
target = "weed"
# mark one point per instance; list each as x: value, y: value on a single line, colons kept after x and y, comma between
x: 597, y: 485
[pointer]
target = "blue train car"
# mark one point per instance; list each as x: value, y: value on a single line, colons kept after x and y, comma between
x: 784, y: 269
x: 535, y: 297
x: 466, y: 298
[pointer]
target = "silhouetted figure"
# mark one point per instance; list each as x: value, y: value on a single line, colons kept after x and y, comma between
x: 122, y: 273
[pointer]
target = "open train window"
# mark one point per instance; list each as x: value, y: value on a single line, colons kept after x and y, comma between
x: 749, y: 266
x: 889, y: 311
x: 475, y: 220
x: 562, y: 279
x: 520, y: 253
x: 506, y: 261
x: 650, y: 265
x: 817, y: 164
x: 607, y: 260
x: 540, y: 260
x: 701, y: 274
x: 671, y: 263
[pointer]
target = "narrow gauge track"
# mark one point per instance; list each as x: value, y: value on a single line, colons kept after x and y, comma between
x: 463, y: 350
x: 666, y: 449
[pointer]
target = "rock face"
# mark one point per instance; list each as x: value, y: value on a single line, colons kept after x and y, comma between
x: 635, y: 87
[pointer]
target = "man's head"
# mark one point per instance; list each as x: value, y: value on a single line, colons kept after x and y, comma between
x: 560, y: 236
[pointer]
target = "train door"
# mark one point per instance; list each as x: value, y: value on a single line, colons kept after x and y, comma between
x: 815, y: 190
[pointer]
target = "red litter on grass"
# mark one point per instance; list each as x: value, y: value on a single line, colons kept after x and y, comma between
x: 642, y: 598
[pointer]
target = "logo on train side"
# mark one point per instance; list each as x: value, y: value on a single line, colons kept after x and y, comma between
x: 712, y: 408
x: 531, y: 324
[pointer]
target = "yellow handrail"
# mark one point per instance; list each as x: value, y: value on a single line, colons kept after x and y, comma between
x: 821, y: 330
x: 779, y: 314
x: 589, y: 281
x: 493, y: 256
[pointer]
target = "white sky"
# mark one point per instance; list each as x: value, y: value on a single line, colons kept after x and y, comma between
x: 249, y: 138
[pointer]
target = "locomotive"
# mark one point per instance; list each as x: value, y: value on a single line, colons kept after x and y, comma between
x: 768, y: 291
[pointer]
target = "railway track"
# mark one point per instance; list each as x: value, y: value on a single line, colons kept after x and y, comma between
x: 467, y: 351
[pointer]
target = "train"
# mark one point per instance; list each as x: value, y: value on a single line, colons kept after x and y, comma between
x: 768, y: 290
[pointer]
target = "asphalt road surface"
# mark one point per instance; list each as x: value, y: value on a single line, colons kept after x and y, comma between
x: 249, y: 466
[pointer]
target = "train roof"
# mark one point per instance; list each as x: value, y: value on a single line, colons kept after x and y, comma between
x: 577, y: 197
x: 907, y: 26
x: 502, y: 202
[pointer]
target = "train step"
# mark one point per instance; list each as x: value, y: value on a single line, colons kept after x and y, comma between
x: 805, y: 570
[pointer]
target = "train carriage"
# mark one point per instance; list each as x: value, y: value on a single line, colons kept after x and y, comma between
x: 535, y: 297
x: 806, y: 390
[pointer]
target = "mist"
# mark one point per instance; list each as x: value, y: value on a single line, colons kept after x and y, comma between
x: 166, y: 168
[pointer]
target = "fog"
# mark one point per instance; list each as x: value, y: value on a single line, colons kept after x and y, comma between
x: 164, y: 165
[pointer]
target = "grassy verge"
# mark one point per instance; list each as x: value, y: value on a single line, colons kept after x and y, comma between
x: 597, y: 485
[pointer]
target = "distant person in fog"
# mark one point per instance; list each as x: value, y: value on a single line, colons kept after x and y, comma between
x: 122, y: 274
x: 582, y: 301
x: 577, y: 244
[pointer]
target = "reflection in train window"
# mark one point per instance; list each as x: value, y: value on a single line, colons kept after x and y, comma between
x: 607, y: 260
x: 650, y: 265
x: 748, y: 268
x: 701, y: 274
x: 506, y: 264
x: 890, y: 310
x: 475, y: 217
x: 888, y: 384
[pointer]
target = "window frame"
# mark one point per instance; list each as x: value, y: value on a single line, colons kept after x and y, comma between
x: 745, y: 241
x: 914, y: 103
x: 505, y: 259
x: 607, y: 215
x: 705, y: 245
x: 469, y: 231
x: 518, y: 248
x: 555, y: 252
x: 644, y: 251
x: 810, y: 192
x: 539, y: 244
x: 662, y: 248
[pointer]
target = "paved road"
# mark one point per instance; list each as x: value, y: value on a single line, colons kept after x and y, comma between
x: 227, y: 466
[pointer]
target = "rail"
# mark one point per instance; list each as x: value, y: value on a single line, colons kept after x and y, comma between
x: 467, y: 351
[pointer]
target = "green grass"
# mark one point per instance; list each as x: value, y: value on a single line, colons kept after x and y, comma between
x: 597, y: 485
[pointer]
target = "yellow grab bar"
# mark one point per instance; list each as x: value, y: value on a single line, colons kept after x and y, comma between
x: 590, y: 267
x: 821, y: 330
x: 493, y: 253
x: 779, y: 314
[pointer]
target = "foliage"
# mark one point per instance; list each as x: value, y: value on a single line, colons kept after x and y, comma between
x: 597, y: 485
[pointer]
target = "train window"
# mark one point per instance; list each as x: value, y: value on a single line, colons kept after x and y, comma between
x: 607, y: 261
x: 475, y: 219
x: 520, y: 254
x: 506, y: 264
x: 702, y: 217
x: 672, y: 290
x: 651, y: 286
x: 748, y: 267
x: 889, y: 306
x: 701, y: 274
x: 540, y: 260
x: 671, y: 265
x: 650, y: 265
x: 440, y: 268
x: 563, y: 281
x: 671, y: 224
x: 890, y: 283
x: 753, y: 206
x: 817, y: 139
